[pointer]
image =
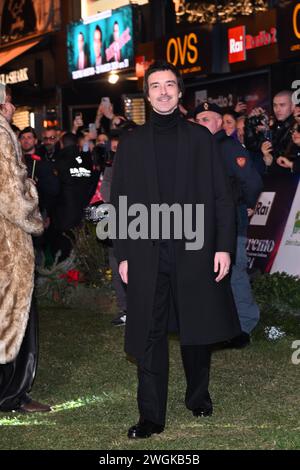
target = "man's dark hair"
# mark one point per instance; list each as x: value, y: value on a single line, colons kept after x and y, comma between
x: 69, y: 139
x: 28, y: 130
x: 159, y: 66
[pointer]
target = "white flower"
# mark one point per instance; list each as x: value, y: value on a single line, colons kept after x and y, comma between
x: 274, y: 333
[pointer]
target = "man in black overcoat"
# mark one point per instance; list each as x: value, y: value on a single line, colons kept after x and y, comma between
x: 172, y: 161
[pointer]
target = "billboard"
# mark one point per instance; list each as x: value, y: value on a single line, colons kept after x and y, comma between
x: 101, y: 46
x: 93, y: 7
x: 252, y: 42
x: 28, y: 18
x: 190, y: 52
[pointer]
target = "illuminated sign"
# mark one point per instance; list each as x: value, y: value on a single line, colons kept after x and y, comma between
x: 253, y: 42
x: 15, y: 76
x: 101, y: 46
x: 289, y: 29
x: 141, y: 65
x: 296, y: 12
x: 189, y: 52
x: 93, y: 7
x: 239, y: 42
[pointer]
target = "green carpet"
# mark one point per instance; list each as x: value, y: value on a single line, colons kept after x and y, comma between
x: 83, y: 373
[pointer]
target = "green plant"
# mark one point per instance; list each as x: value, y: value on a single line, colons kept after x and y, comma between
x: 51, y: 281
x: 278, y: 296
x: 90, y: 255
x: 279, y: 290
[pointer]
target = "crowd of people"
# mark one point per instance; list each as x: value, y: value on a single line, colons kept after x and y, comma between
x: 73, y: 169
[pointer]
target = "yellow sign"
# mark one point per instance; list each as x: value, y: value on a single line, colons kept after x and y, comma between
x: 183, y: 50
x: 295, y: 17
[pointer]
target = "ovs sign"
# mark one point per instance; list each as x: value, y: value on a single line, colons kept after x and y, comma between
x: 296, y: 17
x: 183, y: 50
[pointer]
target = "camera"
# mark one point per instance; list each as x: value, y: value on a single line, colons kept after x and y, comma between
x: 259, y: 120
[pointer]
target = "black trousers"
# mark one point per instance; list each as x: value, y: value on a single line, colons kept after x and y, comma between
x: 153, y: 368
x: 16, y: 377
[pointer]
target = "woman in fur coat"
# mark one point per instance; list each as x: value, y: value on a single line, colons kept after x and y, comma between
x: 19, y: 220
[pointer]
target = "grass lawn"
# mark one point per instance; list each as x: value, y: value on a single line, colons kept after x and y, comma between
x: 83, y: 373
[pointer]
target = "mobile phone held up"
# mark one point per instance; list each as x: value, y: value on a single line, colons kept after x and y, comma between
x: 105, y: 100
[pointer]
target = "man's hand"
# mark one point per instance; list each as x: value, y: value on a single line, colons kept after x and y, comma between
x: 107, y: 110
x: 116, y: 121
x: 284, y: 162
x: 256, y: 112
x: 266, y: 149
x: 123, y: 271
x: 221, y: 264
x: 250, y: 211
x: 240, y: 107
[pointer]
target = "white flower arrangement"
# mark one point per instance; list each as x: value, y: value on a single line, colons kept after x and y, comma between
x: 274, y: 333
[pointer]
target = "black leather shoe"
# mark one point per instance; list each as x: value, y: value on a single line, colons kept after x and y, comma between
x: 143, y: 429
x: 238, y: 342
x: 203, y: 412
x: 33, y: 407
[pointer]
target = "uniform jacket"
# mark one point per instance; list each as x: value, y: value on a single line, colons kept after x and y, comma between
x: 19, y: 219
x: 206, y: 309
x: 246, y: 183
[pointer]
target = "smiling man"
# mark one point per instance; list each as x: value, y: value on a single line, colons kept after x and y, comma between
x: 167, y: 161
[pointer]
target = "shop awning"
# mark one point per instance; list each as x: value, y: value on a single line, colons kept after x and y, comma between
x: 10, y: 54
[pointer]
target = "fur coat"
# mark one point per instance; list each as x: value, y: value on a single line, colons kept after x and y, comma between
x: 19, y: 219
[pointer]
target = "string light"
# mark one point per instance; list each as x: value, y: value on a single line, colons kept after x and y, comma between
x: 195, y: 12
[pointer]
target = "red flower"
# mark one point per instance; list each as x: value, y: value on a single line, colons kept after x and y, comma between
x: 36, y: 157
x: 72, y: 276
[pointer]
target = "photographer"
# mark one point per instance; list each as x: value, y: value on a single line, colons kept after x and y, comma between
x: 274, y: 139
x: 281, y: 137
x: 256, y: 132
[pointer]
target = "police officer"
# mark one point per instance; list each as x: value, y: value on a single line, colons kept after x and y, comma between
x: 246, y: 184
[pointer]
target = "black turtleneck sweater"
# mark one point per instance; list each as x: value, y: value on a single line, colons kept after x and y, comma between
x: 165, y: 147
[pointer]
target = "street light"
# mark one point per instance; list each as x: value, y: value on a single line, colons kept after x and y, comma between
x: 113, y: 78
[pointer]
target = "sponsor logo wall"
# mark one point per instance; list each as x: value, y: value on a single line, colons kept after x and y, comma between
x: 271, y: 225
x: 254, y: 91
x: 288, y: 256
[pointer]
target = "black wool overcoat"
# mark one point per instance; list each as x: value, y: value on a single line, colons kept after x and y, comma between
x: 206, y: 309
